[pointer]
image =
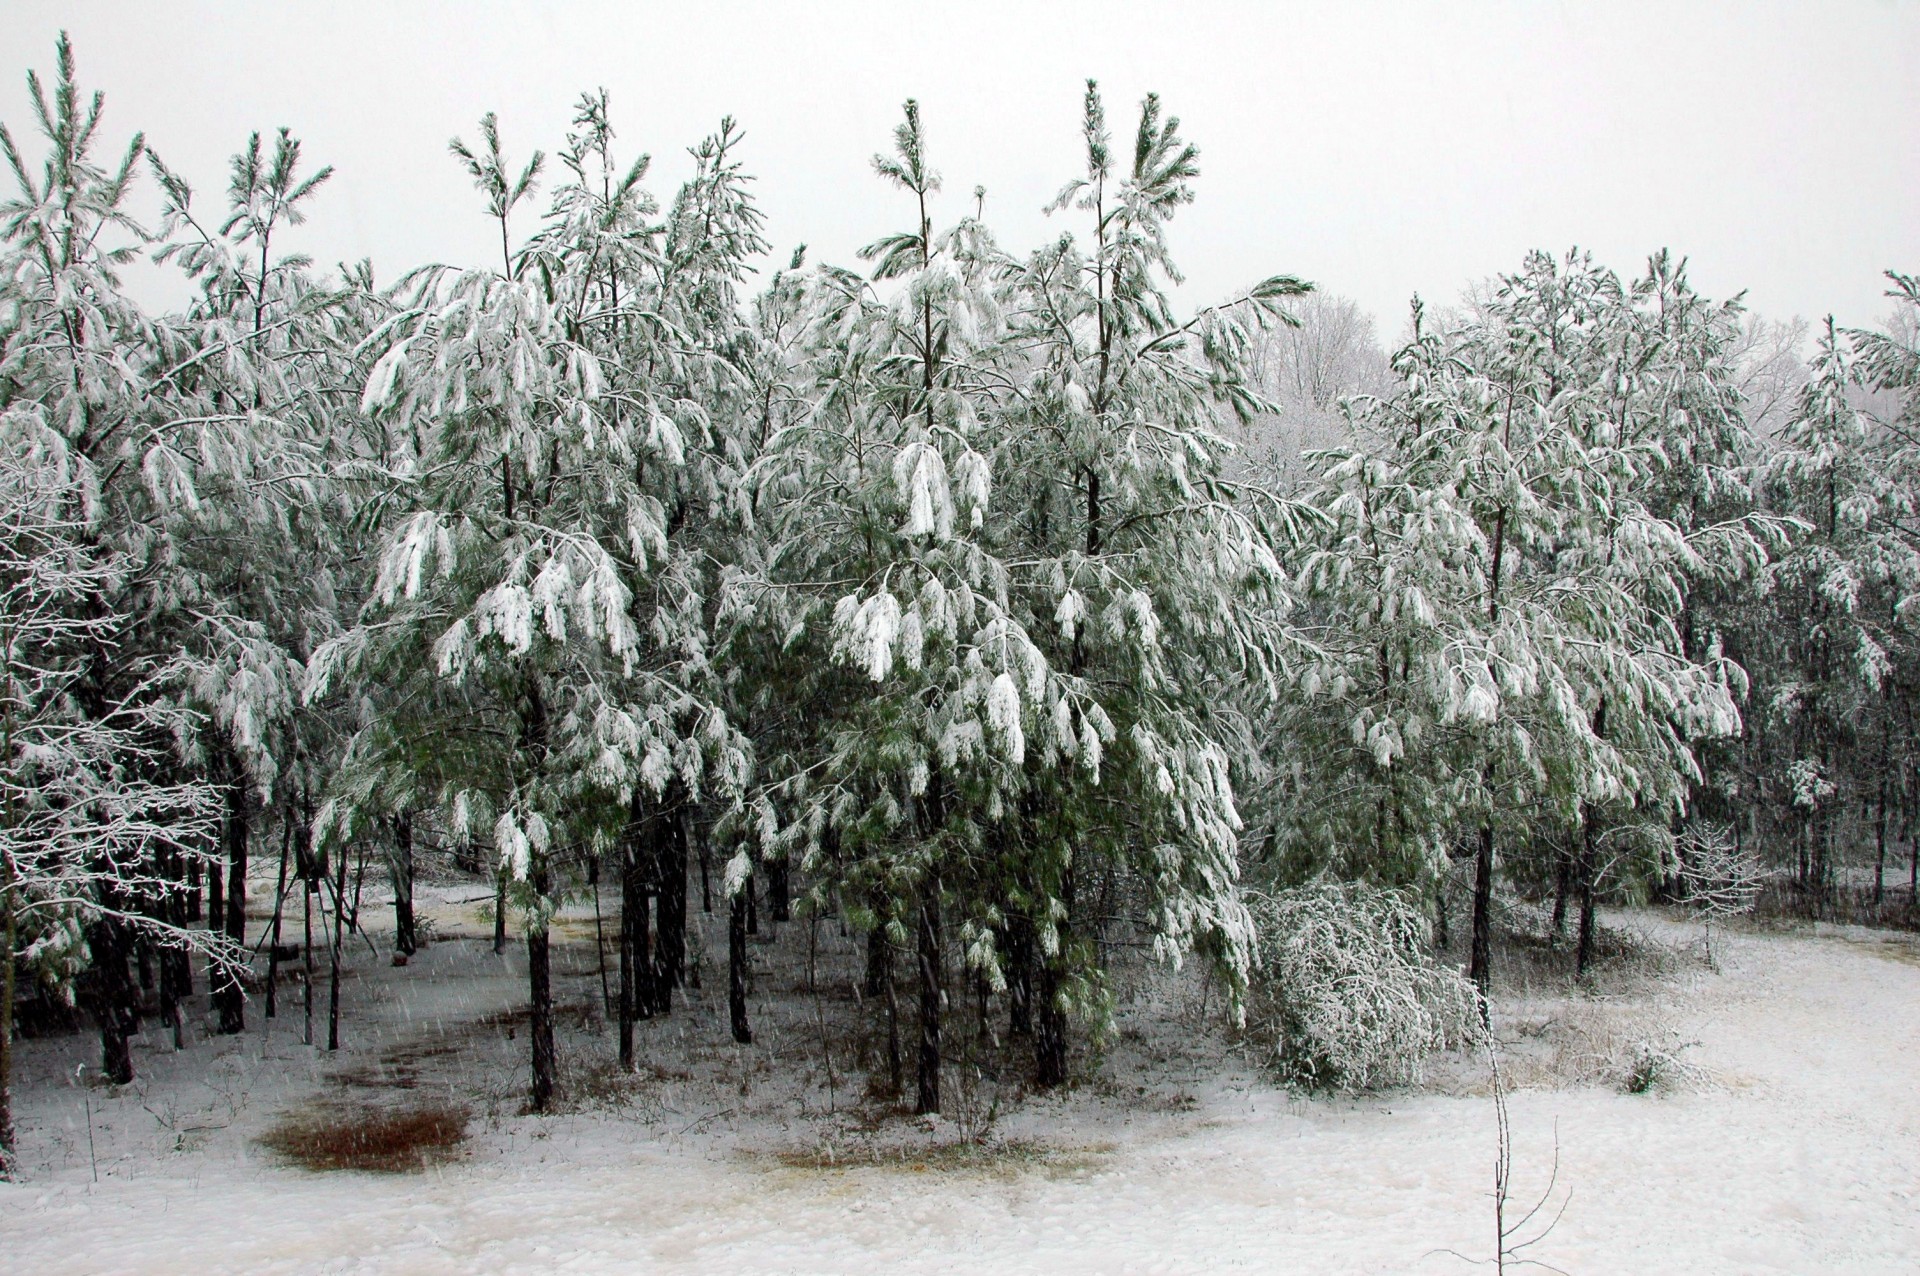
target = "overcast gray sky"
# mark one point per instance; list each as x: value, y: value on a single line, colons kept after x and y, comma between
x: 1377, y: 149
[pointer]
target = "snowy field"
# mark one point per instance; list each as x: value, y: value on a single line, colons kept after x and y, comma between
x: 1792, y: 1146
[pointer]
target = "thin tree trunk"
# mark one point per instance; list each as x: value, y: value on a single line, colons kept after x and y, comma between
x: 879, y: 951
x: 737, y: 964
x: 540, y: 987
x: 339, y: 922
x: 1562, y: 886
x: 1049, y: 1010
x: 599, y: 936
x: 172, y: 965
x: 1480, y: 961
x: 216, y: 915
x: 406, y: 938
x: 706, y: 884
x: 230, y: 998
x: 1880, y: 839
x: 633, y: 950
x: 308, y: 887
x: 359, y: 880
x: 670, y: 945
x: 9, y: 942
x: 279, y: 900
x: 500, y: 910
x: 1588, y: 870
x: 927, y: 1091
x: 779, y: 898
x: 114, y: 998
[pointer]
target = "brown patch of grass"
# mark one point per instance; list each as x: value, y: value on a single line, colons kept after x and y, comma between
x: 998, y: 1156
x: 375, y: 1139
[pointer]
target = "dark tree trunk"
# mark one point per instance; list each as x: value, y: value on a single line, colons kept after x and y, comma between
x: 670, y: 883
x: 115, y: 1002
x: 706, y: 883
x: 1880, y: 839
x: 216, y: 917
x: 176, y: 966
x: 279, y: 902
x: 308, y: 885
x: 406, y: 939
x: 750, y: 887
x: 9, y: 984
x: 633, y: 935
x: 540, y: 988
x: 779, y: 895
x: 193, y: 889
x: 1049, y: 1012
x: 339, y: 922
x: 500, y: 910
x: 927, y: 1079
x: 1583, y: 956
x: 737, y: 964
x: 1562, y: 887
x: 599, y: 936
x: 1020, y: 976
x: 230, y: 997
x: 1480, y: 962
x: 879, y: 951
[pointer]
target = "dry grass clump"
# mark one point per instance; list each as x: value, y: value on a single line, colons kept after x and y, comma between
x: 376, y: 1139
x: 994, y: 1157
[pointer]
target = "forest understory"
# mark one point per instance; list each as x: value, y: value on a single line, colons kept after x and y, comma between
x: 1731, y: 1147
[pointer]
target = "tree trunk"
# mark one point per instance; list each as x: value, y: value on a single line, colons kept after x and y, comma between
x: 1562, y: 886
x: 927, y: 1091
x: 406, y: 939
x: 308, y: 885
x: 279, y: 901
x: 230, y: 998
x: 1049, y: 1028
x: 1588, y: 870
x: 779, y: 896
x: 114, y: 1003
x: 176, y: 971
x: 1880, y: 839
x: 879, y: 951
x: 500, y: 910
x: 193, y: 889
x: 540, y: 987
x: 753, y: 903
x: 706, y: 883
x: 632, y: 906
x: 599, y: 936
x: 216, y: 917
x: 1480, y: 962
x: 737, y: 963
x: 670, y: 892
x: 1020, y: 976
x: 339, y: 922
x: 9, y: 942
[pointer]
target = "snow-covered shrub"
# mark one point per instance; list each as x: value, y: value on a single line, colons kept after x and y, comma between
x: 1343, y: 991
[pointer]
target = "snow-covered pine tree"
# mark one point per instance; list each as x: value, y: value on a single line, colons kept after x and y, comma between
x: 266, y: 357
x: 1501, y: 598
x: 1837, y: 644
x: 94, y: 828
x: 1001, y: 511
x: 150, y: 467
x: 530, y: 589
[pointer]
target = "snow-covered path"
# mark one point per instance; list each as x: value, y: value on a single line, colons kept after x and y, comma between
x: 1806, y: 1159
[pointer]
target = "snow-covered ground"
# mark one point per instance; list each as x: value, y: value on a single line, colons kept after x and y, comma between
x: 1798, y: 1151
